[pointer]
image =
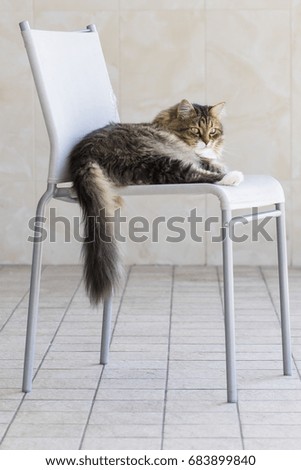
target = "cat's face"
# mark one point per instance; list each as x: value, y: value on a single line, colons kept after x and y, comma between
x: 198, y: 126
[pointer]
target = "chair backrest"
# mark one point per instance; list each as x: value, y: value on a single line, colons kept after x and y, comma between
x: 73, y: 86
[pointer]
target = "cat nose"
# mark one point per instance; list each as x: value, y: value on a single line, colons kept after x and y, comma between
x: 201, y: 144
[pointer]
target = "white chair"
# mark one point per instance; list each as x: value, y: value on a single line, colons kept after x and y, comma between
x: 76, y: 97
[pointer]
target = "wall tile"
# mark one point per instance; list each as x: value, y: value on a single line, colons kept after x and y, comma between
x: 260, y: 247
x: 162, y: 4
x: 16, y: 208
x: 41, y: 145
x: 16, y: 118
x: 162, y: 61
x: 107, y: 24
x: 59, y: 248
x: 253, y: 250
x: 246, y: 52
x: 296, y: 223
x: 75, y: 5
x: 62, y: 245
x: 16, y: 5
x: 166, y: 251
x: 248, y: 4
x: 296, y: 91
x: 248, y: 66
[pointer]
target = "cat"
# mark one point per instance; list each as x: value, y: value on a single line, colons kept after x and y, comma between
x: 183, y: 144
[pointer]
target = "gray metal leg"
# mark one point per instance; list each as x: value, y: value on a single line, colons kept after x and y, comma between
x: 33, y: 306
x: 106, y: 330
x: 284, y: 292
x: 229, y: 306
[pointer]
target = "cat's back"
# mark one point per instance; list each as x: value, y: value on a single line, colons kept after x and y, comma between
x: 115, y: 133
x: 117, y: 143
x: 122, y: 138
x: 121, y: 130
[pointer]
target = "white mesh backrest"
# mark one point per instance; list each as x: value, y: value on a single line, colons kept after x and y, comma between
x: 74, y: 89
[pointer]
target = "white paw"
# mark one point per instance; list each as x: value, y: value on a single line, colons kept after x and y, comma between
x: 233, y: 178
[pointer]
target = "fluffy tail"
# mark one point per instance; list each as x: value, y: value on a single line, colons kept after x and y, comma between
x: 100, y: 250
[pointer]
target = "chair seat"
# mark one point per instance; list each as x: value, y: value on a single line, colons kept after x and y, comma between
x: 255, y: 191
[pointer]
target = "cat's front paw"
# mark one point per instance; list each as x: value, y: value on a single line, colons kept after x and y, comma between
x: 233, y: 178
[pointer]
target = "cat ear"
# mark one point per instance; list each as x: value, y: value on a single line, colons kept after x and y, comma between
x: 185, y: 109
x: 217, y: 110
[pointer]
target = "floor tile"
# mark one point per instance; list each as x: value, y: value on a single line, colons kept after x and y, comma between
x: 202, y: 444
x: 39, y: 443
x: 165, y: 384
x: 123, y: 430
x: 122, y: 443
x: 272, y: 444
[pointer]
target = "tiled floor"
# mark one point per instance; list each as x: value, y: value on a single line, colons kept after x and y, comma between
x: 165, y: 384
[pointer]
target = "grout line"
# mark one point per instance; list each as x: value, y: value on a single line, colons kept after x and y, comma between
x: 18, y: 304
x: 38, y: 368
x: 269, y: 293
x: 277, y: 314
x: 103, y: 367
x: 296, y: 366
x: 13, y: 311
x: 57, y: 329
x: 221, y: 294
x: 12, y: 419
x: 121, y: 301
x: 168, y: 356
x: 240, y: 424
x: 219, y: 280
x: 269, y: 290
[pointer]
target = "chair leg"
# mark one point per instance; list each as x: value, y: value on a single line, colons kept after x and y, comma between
x: 106, y: 330
x: 284, y: 291
x: 229, y: 306
x: 34, y: 293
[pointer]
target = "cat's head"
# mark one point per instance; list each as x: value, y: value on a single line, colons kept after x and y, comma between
x: 198, y: 126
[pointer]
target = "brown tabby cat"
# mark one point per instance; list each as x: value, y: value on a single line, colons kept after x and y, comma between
x: 183, y: 144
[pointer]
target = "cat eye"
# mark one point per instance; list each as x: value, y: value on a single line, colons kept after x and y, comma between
x: 213, y: 131
x: 195, y: 130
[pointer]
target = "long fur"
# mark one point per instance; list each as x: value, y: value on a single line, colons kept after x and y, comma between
x: 165, y: 151
x: 100, y: 250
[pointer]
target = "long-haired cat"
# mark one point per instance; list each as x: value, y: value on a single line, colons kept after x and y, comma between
x: 183, y: 144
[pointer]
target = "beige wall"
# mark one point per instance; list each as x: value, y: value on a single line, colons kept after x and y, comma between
x: 246, y: 52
